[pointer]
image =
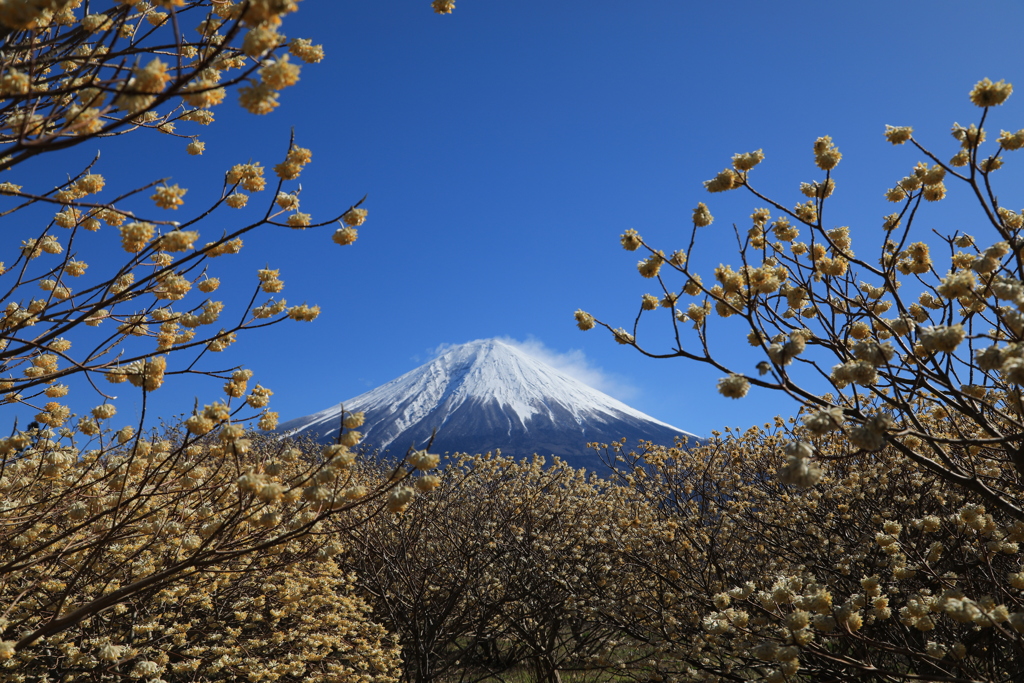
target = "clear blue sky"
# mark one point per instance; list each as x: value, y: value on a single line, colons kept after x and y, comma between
x: 505, y: 147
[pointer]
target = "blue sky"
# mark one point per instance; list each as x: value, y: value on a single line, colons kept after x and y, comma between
x: 505, y: 147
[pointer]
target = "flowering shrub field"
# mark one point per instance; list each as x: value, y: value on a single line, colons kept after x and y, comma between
x: 699, y: 564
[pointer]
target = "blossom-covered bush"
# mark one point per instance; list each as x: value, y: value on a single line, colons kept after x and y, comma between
x: 879, y: 570
x: 195, y: 551
x: 931, y: 321
x: 877, y: 536
x: 184, y: 558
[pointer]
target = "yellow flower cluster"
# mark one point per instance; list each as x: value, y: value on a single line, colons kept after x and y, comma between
x: 280, y: 74
x: 989, y: 94
x: 826, y: 155
x: 745, y: 162
x: 898, y: 135
x: 249, y: 176
x: 177, y: 240
x: 727, y: 180
x: 422, y: 460
x: 258, y: 98
x: 701, y: 216
x: 270, y: 281
x: 651, y: 265
x: 203, y: 94
x: 630, y: 240
x: 354, y: 217
x: 733, y: 386
x: 299, y: 220
x: 148, y: 373
x: 345, y: 236
x: 1011, y: 141
x: 304, y: 313
x: 443, y: 6
x: 291, y: 167
x: 135, y: 236
x: 306, y: 51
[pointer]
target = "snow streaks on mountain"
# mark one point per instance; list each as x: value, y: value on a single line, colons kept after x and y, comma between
x: 487, y: 395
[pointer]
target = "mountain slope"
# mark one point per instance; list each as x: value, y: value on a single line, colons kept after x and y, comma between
x: 484, y: 395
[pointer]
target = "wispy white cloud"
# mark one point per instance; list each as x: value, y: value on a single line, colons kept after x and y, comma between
x: 572, y: 362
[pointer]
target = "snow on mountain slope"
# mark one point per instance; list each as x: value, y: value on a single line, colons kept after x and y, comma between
x: 483, y: 395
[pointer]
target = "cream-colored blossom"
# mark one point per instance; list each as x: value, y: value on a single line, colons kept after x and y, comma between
x: 299, y: 220
x: 942, y: 338
x: 988, y: 94
x: 135, y: 236
x: 651, y: 265
x: 305, y: 50
x: 726, y: 180
x: 400, y: 498
x: 630, y: 240
x: 733, y: 386
x: 826, y: 155
x: 236, y: 200
x: 584, y: 320
x: 897, y: 135
x: 622, y: 337
x: 422, y: 460
x: 345, y: 236
x: 701, y: 216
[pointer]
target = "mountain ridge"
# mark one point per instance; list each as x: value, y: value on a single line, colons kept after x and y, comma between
x: 489, y: 394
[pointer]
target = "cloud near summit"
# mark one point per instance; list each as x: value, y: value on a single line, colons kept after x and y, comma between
x: 573, y: 363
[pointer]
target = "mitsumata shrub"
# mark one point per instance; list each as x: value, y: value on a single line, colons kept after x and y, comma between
x: 196, y: 551
x: 699, y: 563
x: 877, y: 537
x: 888, y: 338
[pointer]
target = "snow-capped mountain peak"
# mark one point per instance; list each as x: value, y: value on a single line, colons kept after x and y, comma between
x: 483, y: 395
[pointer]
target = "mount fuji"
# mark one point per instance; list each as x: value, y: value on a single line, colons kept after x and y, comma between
x: 485, y: 395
